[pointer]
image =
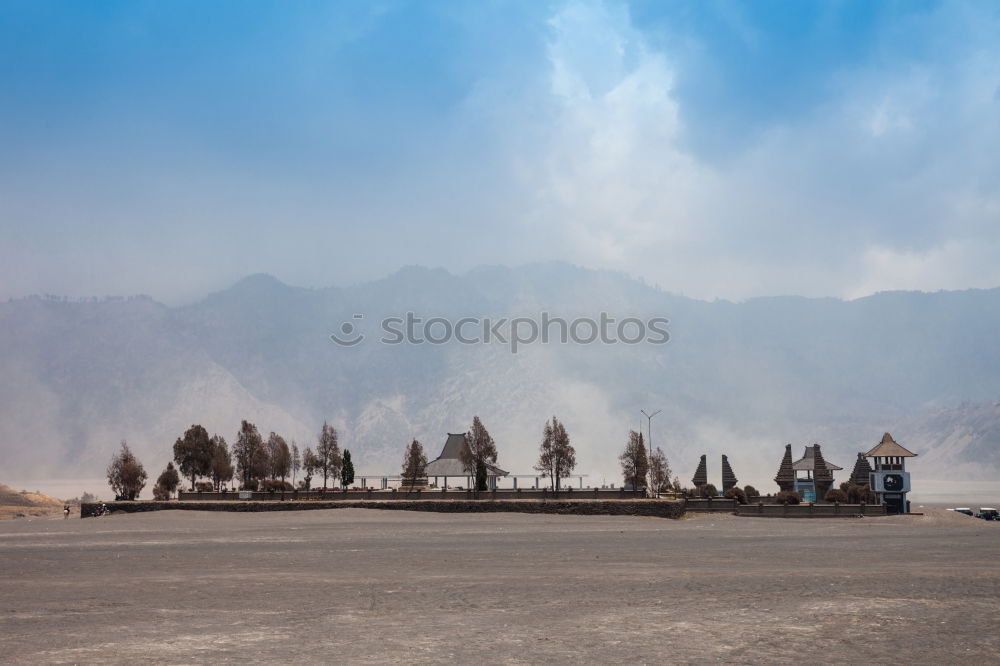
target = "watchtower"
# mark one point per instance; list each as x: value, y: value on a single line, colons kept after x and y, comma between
x: 889, y: 479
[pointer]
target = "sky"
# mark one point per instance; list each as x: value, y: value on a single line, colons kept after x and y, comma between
x: 716, y: 149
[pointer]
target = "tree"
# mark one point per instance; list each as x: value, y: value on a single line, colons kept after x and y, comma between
x: 221, y: 467
x: 248, y: 451
x: 279, y: 457
x: 328, y: 453
x: 556, y: 456
x: 126, y: 475
x: 296, y: 461
x: 478, y: 451
x: 659, y: 471
x: 347, y: 471
x: 633, y: 459
x: 309, y: 465
x: 414, y: 464
x: 166, y: 483
x: 193, y: 453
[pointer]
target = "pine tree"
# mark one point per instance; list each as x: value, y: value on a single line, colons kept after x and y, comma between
x: 557, y: 457
x: 347, y: 470
x: 414, y: 464
x: 635, y: 464
x: 328, y: 453
x: 478, y: 452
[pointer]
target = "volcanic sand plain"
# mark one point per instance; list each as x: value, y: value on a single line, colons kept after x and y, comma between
x: 371, y: 586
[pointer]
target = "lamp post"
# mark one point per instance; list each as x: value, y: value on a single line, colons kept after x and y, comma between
x: 649, y: 435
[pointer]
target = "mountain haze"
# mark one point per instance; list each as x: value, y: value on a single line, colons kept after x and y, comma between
x: 736, y: 378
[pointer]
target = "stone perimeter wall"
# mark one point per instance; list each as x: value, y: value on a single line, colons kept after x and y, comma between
x: 418, y: 494
x: 655, y: 508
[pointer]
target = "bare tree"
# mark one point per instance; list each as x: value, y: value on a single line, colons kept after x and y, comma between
x: 248, y: 451
x: 221, y: 468
x: 328, y: 453
x: 556, y: 457
x: 126, y: 475
x: 280, y: 457
x: 659, y: 472
x: 478, y: 451
x: 414, y: 464
x: 309, y: 466
x: 635, y: 464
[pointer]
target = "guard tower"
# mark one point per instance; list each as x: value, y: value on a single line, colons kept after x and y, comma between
x: 889, y: 479
x: 728, y: 477
x: 701, y: 474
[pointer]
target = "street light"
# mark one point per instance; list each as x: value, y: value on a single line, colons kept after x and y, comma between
x: 649, y: 431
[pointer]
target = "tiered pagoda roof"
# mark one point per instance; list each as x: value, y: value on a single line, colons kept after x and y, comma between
x: 861, y: 472
x: 701, y: 474
x: 728, y: 477
x: 786, y: 474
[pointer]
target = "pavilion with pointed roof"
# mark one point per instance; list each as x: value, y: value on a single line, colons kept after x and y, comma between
x: 813, y: 474
x: 449, y: 465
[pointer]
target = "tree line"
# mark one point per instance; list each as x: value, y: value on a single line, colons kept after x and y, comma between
x: 259, y: 464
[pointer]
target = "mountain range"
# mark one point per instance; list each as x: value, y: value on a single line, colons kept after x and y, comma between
x: 76, y: 377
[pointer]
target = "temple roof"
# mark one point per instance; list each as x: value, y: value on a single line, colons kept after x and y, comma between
x: 808, y: 461
x: 450, y: 464
x: 888, y: 448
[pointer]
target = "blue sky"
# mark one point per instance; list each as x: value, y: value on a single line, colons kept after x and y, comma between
x: 718, y: 149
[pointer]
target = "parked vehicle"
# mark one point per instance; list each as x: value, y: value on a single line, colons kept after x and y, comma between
x: 964, y: 509
x: 988, y: 513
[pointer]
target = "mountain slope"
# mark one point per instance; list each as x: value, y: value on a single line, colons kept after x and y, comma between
x: 735, y: 378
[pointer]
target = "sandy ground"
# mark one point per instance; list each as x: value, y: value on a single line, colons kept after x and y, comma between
x: 357, y: 586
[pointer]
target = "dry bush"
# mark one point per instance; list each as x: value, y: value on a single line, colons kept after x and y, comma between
x: 736, y: 493
x: 751, y: 492
x: 788, y: 497
x: 204, y: 487
x: 834, y: 495
x: 708, y: 490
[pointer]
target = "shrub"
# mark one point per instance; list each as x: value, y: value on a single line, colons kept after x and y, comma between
x: 160, y: 493
x: 737, y: 494
x: 866, y: 496
x: 708, y: 490
x: 275, y: 485
x: 204, y: 487
x: 788, y: 497
x: 751, y: 492
x: 834, y: 495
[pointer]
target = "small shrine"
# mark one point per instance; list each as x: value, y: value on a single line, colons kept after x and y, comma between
x: 813, y: 475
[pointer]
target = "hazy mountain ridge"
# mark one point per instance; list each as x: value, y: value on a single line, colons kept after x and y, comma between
x: 736, y: 378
